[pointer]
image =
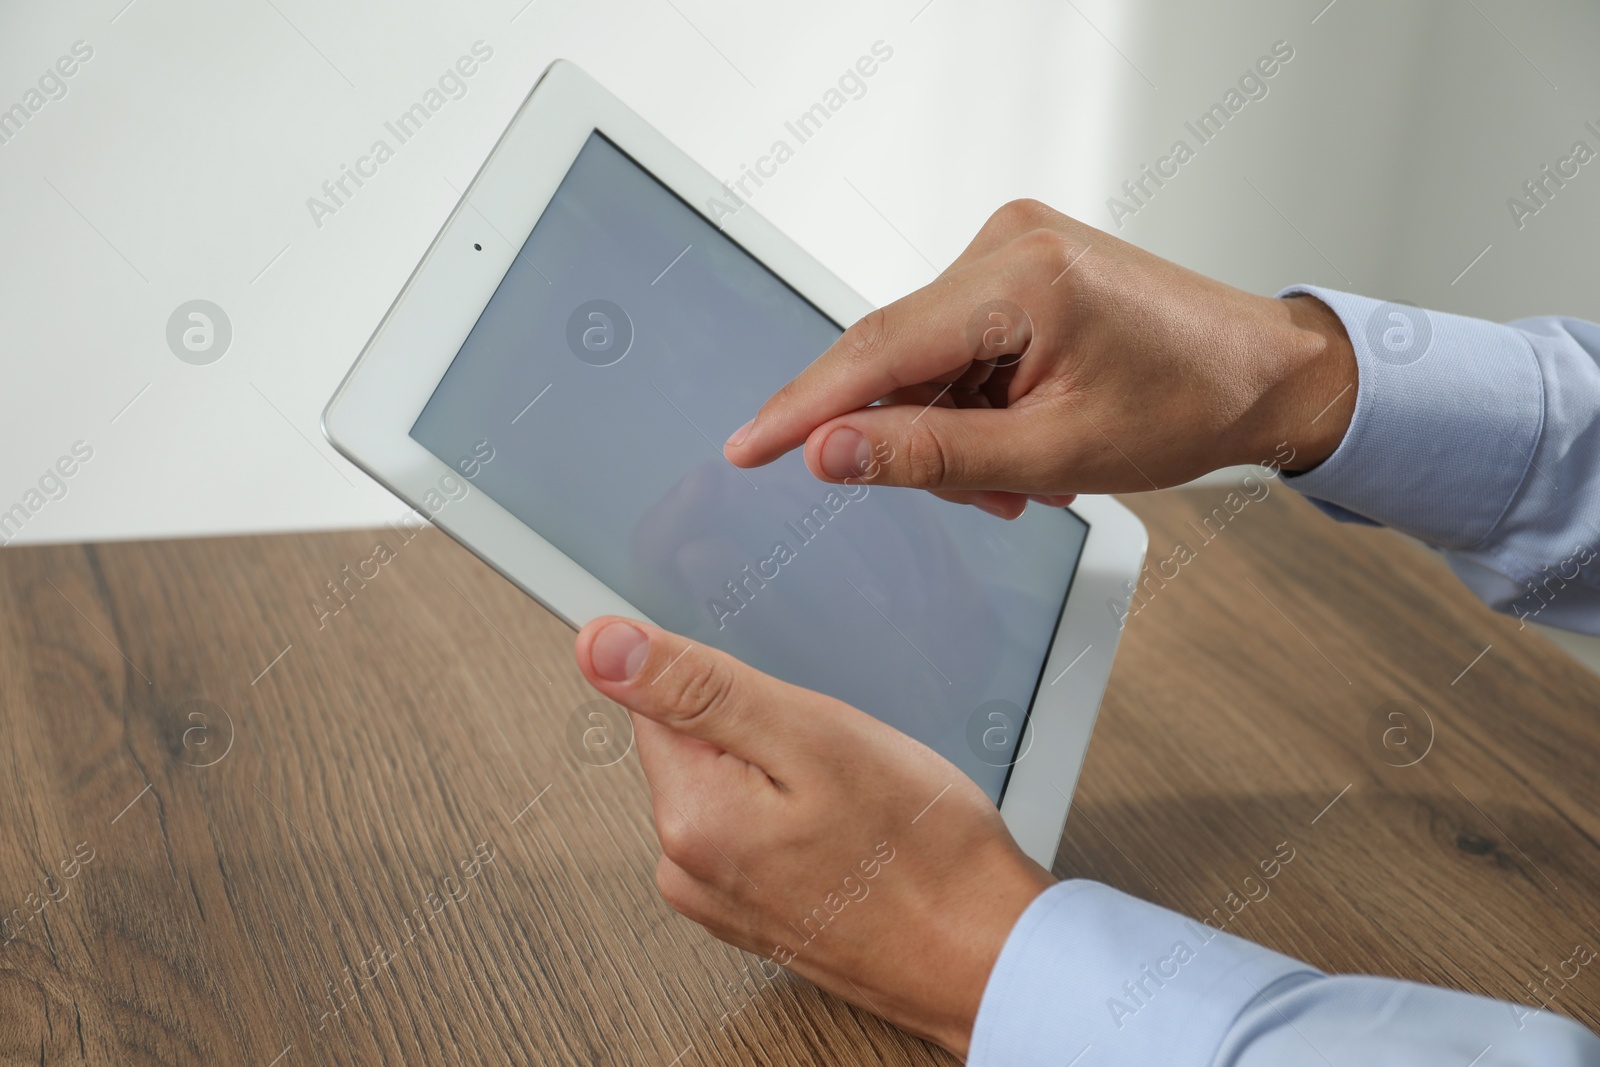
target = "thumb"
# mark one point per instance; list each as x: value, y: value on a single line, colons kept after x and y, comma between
x: 937, y: 448
x: 691, y: 689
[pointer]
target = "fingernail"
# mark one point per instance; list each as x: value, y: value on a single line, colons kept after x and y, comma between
x: 996, y: 512
x: 618, y: 651
x: 845, y: 454
x: 738, y: 436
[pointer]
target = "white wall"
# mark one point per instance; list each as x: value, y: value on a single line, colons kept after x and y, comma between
x: 179, y: 163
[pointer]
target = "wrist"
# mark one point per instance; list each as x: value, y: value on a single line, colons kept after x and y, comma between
x: 1309, y: 395
x: 994, y: 916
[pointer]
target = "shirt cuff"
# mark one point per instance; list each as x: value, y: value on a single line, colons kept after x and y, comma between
x: 1092, y: 973
x: 1448, y: 413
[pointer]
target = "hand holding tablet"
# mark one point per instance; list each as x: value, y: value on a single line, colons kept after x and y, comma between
x: 1051, y: 359
x: 808, y: 833
x: 580, y: 318
x: 835, y: 676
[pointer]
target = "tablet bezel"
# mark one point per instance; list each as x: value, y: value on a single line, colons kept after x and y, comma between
x: 369, y: 418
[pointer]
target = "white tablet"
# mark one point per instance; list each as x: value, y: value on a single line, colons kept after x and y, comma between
x: 552, y: 388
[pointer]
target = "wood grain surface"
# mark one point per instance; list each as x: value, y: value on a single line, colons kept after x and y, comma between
x: 240, y: 829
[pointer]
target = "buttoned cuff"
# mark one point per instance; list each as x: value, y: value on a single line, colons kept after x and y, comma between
x: 1448, y: 413
x: 1092, y: 973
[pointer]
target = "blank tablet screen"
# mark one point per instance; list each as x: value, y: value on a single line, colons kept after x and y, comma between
x: 627, y: 340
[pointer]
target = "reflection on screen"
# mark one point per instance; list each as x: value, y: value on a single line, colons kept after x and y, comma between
x: 628, y: 339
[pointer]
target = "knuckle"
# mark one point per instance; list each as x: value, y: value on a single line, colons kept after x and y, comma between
x: 677, y: 839
x: 788, y: 394
x: 675, y: 888
x: 1022, y: 214
x: 1048, y: 252
x: 927, y: 462
x: 701, y: 685
x: 866, y: 339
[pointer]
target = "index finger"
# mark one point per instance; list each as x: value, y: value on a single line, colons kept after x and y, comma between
x: 918, y: 338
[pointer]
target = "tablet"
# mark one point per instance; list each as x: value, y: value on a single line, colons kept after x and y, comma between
x: 552, y: 388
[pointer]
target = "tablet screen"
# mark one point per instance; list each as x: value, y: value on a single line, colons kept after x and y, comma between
x: 628, y: 339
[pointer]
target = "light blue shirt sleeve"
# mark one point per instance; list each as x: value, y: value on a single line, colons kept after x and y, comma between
x: 1091, y: 977
x: 1482, y: 440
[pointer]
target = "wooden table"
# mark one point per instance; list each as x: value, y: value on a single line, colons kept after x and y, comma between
x: 237, y: 828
